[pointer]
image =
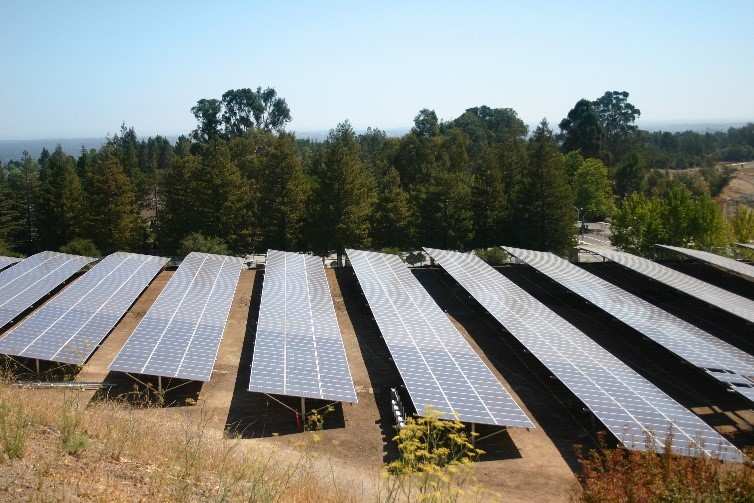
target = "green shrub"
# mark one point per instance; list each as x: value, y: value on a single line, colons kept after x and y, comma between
x: 493, y: 256
x: 85, y: 247
x: 197, y: 242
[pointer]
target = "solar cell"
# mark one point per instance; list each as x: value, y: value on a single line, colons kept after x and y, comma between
x: 22, y: 285
x: 639, y: 414
x: 437, y: 365
x: 723, y: 262
x: 181, y: 333
x: 8, y: 261
x: 722, y: 299
x: 70, y: 327
x: 684, y: 339
x: 298, y: 350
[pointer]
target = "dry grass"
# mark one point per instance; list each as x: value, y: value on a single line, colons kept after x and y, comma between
x: 116, y: 452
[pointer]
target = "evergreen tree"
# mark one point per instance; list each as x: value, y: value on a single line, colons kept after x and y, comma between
x: 392, y: 222
x: 114, y: 222
x: 61, y: 201
x: 344, y: 197
x: 23, y: 181
x: 10, y: 220
x: 283, y: 192
x: 175, y: 218
x: 544, y: 201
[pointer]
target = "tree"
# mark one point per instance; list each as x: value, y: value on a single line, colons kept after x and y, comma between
x: 742, y: 224
x: 637, y: 225
x: 24, y: 184
x: 9, y: 216
x: 61, y: 201
x: 426, y: 123
x: 114, y: 222
x: 176, y: 216
x: 208, y: 115
x: 283, y: 192
x: 391, y: 225
x: 617, y: 117
x: 244, y: 109
x: 544, y: 201
x: 630, y: 175
x: 344, y: 197
x: 581, y: 130
x: 593, y: 190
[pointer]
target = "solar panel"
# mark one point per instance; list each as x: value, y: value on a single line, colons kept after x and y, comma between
x: 437, y: 365
x: 723, y: 262
x: 684, y: 339
x: 722, y: 299
x: 745, y: 245
x: 298, y: 350
x: 8, y: 261
x: 70, y: 327
x: 181, y: 333
x: 634, y: 410
x: 22, y: 285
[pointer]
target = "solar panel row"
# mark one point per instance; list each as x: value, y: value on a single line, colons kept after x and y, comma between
x: 684, y: 339
x: 437, y: 365
x: 24, y: 284
x: 181, y: 333
x: 70, y: 327
x: 298, y: 350
x: 639, y: 414
x: 712, y: 295
x: 723, y: 262
x: 8, y: 261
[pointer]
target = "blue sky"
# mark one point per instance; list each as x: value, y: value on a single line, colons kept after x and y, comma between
x: 80, y: 69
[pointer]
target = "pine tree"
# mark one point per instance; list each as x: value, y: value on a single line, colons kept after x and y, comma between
x: 175, y: 217
x: 283, y: 193
x: 392, y: 222
x: 61, y: 201
x: 114, y: 222
x: 9, y: 218
x: 344, y: 197
x: 544, y: 203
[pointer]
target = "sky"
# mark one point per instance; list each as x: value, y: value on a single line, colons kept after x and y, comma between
x: 78, y: 69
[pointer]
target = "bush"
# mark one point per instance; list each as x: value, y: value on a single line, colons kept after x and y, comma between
x: 493, y: 256
x: 618, y: 475
x: 13, y: 430
x: 197, y: 242
x: 84, y: 247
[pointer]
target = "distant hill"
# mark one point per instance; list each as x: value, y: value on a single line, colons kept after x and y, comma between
x: 13, y: 150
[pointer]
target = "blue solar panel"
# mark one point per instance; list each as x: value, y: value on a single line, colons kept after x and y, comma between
x: 8, y: 261
x: 24, y: 284
x: 298, y: 350
x: 70, y: 327
x: 439, y: 368
x: 632, y: 408
x: 181, y: 333
x: 682, y: 338
x: 722, y: 299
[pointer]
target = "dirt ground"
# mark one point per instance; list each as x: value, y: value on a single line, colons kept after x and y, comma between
x: 740, y: 190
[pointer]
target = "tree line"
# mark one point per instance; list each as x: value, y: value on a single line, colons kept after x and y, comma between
x: 240, y: 183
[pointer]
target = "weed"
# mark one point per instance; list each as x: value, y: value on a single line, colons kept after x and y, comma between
x: 13, y: 429
x: 74, y: 439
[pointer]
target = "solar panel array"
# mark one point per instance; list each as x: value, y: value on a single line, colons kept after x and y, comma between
x: 70, y: 327
x: 723, y: 262
x: 722, y: 299
x: 298, y: 349
x: 684, y: 339
x: 22, y: 285
x: 8, y: 261
x: 181, y: 333
x: 633, y: 409
x: 437, y: 365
